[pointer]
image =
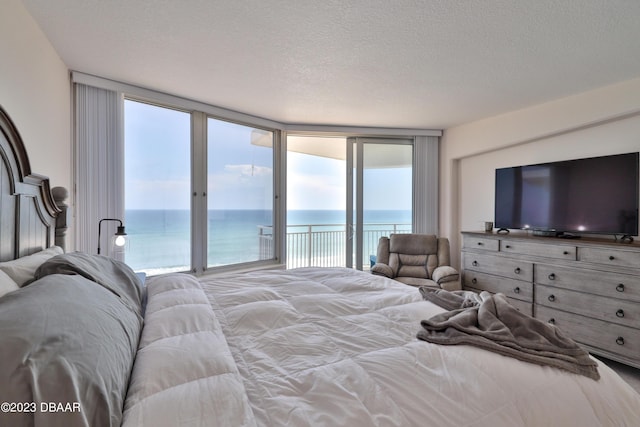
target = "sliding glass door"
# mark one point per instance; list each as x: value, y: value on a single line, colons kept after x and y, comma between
x: 342, y: 195
x: 316, y: 203
x: 381, y: 194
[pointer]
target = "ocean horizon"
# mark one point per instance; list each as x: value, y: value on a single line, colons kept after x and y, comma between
x: 161, y: 239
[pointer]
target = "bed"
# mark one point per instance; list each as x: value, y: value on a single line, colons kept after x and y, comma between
x: 85, y: 342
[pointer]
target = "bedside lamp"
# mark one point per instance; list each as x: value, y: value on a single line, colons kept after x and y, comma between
x: 119, y: 238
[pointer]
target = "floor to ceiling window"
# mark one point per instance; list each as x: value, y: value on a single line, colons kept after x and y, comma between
x: 161, y: 205
x: 316, y: 201
x: 240, y: 193
x: 157, y: 188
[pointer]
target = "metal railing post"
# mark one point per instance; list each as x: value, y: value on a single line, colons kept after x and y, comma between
x: 309, y: 246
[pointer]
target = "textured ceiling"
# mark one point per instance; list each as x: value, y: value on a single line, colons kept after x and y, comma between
x: 405, y: 63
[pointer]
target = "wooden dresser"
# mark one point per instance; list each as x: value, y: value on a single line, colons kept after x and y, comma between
x: 589, y: 288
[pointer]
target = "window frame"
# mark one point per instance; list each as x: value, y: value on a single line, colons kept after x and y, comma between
x: 124, y: 98
x: 200, y: 194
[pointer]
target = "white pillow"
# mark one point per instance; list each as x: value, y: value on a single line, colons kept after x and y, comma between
x: 23, y: 270
x: 7, y: 284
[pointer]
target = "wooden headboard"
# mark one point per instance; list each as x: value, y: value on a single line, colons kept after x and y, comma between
x: 28, y: 210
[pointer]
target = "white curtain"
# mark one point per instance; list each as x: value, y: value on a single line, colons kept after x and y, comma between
x: 425, y: 188
x: 99, y: 167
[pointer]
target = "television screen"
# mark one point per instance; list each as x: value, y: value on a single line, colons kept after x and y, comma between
x: 593, y: 195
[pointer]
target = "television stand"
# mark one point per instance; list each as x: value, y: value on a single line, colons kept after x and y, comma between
x: 546, y: 233
x: 625, y: 239
x: 554, y: 233
x: 563, y: 235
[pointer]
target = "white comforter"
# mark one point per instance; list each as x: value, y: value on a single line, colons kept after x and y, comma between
x: 337, y: 347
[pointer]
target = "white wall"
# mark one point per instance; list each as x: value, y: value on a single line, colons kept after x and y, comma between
x: 35, y: 92
x: 599, y: 122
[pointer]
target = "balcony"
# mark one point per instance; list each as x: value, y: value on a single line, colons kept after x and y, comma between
x: 323, y: 245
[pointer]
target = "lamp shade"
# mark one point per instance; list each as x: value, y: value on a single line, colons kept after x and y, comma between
x: 120, y: 237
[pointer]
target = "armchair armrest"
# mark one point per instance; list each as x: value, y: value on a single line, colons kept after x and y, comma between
x: 445, y: 274
x: 381, y: 269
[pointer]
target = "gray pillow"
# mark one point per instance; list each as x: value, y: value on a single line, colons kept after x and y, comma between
x: 22, y: 270
x: 67, y: 340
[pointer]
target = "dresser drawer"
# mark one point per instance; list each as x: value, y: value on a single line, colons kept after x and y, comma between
x: 609, y: 337
x: 500, y: 266
x: 607, y: 309
x: 484, y: 243
x: 495, y: 284
x: 538, y: 249
x: 525, y: 307
x: 613, y: 285
x: 614, y: 257
x: 522, y: 306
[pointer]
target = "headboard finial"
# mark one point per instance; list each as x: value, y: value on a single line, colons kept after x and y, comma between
x: 60, y: 195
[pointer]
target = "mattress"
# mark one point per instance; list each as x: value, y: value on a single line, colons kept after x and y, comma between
x: 337, y: 347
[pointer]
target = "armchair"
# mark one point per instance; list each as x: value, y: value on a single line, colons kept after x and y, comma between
x: 416, y: 260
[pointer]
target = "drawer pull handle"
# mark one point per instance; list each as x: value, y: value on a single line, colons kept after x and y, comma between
x: 552, y: 276
x: 507, y: 246
x: 552, y: 298
x: 611, y: 257
x: 620, y: 313
x: 552, y: 321
x: 517, y: 290
x: 474, y: 280
x: 474, y: 263
x: 620, y: 287
x: 565, y: 253
x: 517, y: 270
x: 620, y: 341
x: 480, y: 243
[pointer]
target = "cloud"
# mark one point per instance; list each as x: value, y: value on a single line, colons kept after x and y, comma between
x: 248, y: 170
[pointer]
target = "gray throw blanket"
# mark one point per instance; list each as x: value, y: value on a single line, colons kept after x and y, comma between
x: 490, y: 322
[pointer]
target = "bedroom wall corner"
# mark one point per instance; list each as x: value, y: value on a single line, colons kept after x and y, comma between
x: 35, y: 90
x: 599, y: 122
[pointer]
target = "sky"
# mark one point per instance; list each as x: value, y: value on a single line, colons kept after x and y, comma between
x: 158, y: 157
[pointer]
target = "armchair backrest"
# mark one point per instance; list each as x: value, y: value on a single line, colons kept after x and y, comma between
x: 413, y: 255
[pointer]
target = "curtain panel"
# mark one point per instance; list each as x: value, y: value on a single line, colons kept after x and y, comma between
x: 99, y: 166
x: 425, y: 188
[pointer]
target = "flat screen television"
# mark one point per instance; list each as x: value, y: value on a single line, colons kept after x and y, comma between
x: 596, y: 195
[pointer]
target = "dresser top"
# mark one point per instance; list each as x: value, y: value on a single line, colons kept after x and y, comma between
x: 594, y: 241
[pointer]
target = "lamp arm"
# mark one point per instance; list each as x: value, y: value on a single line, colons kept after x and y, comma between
x: 100, y: 228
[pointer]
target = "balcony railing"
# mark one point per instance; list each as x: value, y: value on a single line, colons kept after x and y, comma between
x: 322, y: 245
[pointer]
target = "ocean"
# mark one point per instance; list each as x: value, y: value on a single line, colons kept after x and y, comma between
x: 159, y: 240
